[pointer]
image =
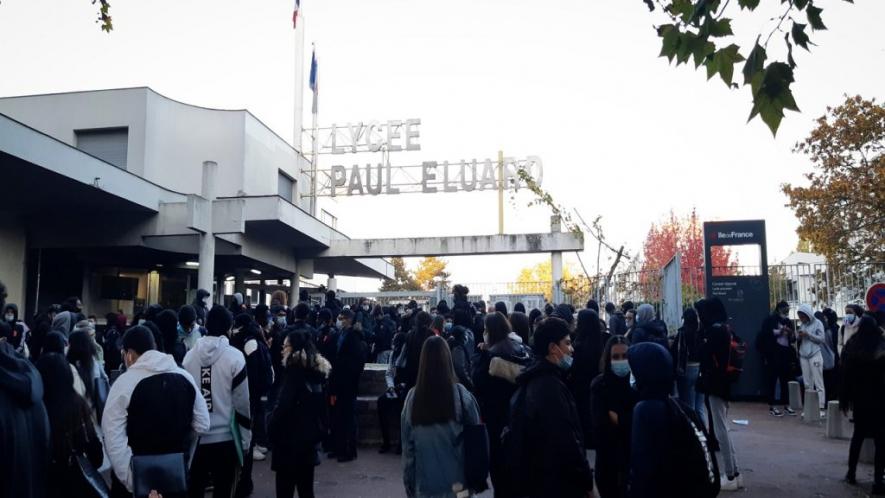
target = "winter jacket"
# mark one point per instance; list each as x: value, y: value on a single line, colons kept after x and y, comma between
x: 152, y: 408
x: 348, y: 366
x: 554, y: 443
x: 367, y: 324
x: 24, y: 427
x: 773, y: 327
x: 113, y: 343
x: 617, y: 324
x: 384, y: 332
x: 651, y: 331
x: 610, y: 393
x: 810, y: 344
x: 863, y: 383
x: 652, y: 366
x: 461, y: 358
x: 259, y: 366
x: 299, y: 421
x: 221, y: 370
x: 200, y: 307
x: 433, y: 455
x: 494, y: 386
x: 714, y: 353
x: 579, y: 378
x: 686, y: 348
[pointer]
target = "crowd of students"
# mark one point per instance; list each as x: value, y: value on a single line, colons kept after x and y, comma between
x: 197, y: 394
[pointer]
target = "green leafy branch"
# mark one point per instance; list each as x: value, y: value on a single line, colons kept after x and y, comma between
x: 104, y: 16
x: 697, y: 32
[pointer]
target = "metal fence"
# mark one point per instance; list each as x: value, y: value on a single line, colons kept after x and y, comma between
x: 820, y: 285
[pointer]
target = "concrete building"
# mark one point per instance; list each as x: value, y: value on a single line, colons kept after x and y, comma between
x: 106, y: 196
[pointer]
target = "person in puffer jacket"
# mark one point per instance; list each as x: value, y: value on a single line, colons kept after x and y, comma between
x: 494, y: 379
x: 221, y: 372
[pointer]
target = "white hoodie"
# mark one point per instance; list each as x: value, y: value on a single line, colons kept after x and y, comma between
x: 810, y: 344
x: 113, y: 423
x: 221, y: 370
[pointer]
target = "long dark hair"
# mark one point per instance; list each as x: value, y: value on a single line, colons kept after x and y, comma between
x: 436, y: 377
x: 497, y: 327
x: 864, y: 342
x: 588, y: 329
x: 605, y: 361
x: 67, y: 410
x: 81, y: 354
x: 520, y: 323
x: 416, y: 338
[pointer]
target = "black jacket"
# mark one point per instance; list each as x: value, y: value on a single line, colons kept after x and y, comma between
x: 610, y: 393
x: 686, y: 348
x: 580, y: 376
x: 493, y: 392
x: 348, y: 365
x: 766, y: 342
x: 714, y: 352
x: 863, y: 384
x: 24, y: 427
x: 299, y: 421
x: 557, y: 460
x: 651, y: 331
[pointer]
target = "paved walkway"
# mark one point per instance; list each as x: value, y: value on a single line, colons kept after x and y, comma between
x: 778, y: 457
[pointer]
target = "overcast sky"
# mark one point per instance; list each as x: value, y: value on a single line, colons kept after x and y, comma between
x: 578, y: 83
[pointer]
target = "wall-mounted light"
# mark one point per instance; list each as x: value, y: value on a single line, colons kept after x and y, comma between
x: 229, y: 278
x: 192, y: 263
x: 257, y: 272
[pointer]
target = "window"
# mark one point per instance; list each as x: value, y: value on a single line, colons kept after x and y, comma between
x: 108, y: 144
x: 285, y: 186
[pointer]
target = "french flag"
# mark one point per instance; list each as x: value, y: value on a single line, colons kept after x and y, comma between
x: 295, y: 14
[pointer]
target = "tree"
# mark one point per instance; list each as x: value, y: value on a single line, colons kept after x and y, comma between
x: 686, y: 236
x: 402, y: 280
x: 842, y: 211
x: 698, y: 30
x: 104, y: 15
x: 538, y: 279
x: 431, y: 270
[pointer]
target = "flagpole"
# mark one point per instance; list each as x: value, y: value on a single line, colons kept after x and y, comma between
x: 315, y: 144
x: 298, y: 111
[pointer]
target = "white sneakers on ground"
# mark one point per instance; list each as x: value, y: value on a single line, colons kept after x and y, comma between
x: 261, y: 448
x: 257, y: 455
x: 733, y: 484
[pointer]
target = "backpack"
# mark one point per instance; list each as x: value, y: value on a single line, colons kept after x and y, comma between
x: 514, y: 443
x: 692, y: 467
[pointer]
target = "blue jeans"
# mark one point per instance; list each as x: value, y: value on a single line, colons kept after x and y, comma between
x: 685, y: 387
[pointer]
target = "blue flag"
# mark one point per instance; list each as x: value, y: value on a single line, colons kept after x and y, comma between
x: 314, y: 84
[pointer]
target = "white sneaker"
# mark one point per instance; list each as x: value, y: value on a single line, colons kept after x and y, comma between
x: 261, y: 448
x: 740, y: 479
x: 729, y: 484
x: 257, y: 455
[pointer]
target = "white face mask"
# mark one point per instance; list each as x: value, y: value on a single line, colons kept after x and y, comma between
x: 365, y: 307
x: 10, y: 317
x: 141, y: 321
x: 849, y: 318
x: 339, y: 324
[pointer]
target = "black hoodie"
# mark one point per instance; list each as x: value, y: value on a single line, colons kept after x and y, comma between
x: 714, y: 350
x: 554, y: 442
x: 24, y: 427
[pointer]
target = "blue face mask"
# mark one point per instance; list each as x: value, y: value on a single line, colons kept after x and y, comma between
x: 621, y: 368
x: 565, y: 362
x: 448, y: 326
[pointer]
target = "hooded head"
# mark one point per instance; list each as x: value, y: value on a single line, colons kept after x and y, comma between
x: 63, y: 322
x: 10, y: 309
x: 519, y: 307
x: 167, y: 322
x: 652, y: 366
x: 588, y: 329
x: 593, y: 305
x: 187, y: 315
x: 564, y: 312
x: 807, y: 310
x: 201, y: 295
x: 645, y: 313
x: 711, y: 311
x: 501, y: 307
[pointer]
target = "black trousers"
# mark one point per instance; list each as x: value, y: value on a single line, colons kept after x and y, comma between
x: 777, y: 371
x: 611, y: 481
x: 857, y: 438
x: 345, y: 427
x: 219, y: 462
x: 388, y: 408
x: 299, y: 475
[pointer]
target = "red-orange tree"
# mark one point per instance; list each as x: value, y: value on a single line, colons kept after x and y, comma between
x: 686, y: 236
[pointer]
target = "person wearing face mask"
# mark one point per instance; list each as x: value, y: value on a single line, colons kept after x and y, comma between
x: 555, y: 461
x: 629, y: 322
x: 385, y: 328
x: 612, y: 401
x: 20, y: 332
x: 153, y: 408
x: 850, y: 324
x: 811, y: 336
x: 201, y: 305
x: 350, y: 359
x: 775, y: 345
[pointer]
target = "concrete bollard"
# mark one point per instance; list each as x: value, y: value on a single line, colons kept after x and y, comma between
x: 838, y: 426
x: 795, y: 396
x: 812, y: 406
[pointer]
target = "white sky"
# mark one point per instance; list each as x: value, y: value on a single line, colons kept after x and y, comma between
x: 578, y: 83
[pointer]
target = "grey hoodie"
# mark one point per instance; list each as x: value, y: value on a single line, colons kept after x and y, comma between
x: 810, y: 344
x: 63, y: 323
x: 220, y: 371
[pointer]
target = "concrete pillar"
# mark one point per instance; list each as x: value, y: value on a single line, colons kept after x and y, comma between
x: 218, y: 297
x: 332, y: 283
x: 13, y: 242
x: 795, y: 396
x: 240, y: 283
x: 838, y: 426
x: 206, y: 271
x: 294, y: 286
x: 812, y: 406
x: 556, y: 263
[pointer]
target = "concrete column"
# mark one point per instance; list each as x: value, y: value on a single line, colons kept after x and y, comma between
x: 294, y: 286
x: 240, y: 283
x: 218, y: 297
x: 13, y: 241
x: 332, y: 283
x: 206, y: 272
x: 556, y: 262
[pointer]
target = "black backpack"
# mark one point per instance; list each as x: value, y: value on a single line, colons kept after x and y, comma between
x: 692, y: 467
x: 514, y: 444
